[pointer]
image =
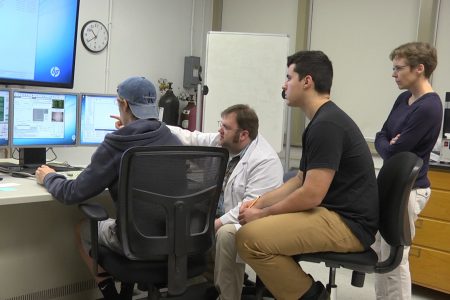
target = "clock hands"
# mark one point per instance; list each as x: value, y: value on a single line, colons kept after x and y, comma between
x: 95, y: 35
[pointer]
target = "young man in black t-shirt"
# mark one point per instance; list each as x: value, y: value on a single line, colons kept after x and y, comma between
x: 332, y: 203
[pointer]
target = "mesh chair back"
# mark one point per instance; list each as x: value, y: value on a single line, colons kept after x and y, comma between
x: 395, y: 181
x: 168, y: 197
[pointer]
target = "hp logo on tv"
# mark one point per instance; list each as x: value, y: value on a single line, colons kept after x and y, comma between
x: 55, y: 71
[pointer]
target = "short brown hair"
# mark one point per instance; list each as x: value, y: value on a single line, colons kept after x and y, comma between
x: 246, y: 118
x: 417, y: 53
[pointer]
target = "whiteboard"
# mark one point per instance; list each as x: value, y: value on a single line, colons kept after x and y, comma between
x: 358, y: 36
x: 247, y: 68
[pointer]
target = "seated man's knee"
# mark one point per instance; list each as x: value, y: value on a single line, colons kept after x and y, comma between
x: 243, y: 240
x: 226, y: 234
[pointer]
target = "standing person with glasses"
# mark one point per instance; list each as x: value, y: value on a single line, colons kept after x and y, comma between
x: 253, y: 169
x: 413, y: 125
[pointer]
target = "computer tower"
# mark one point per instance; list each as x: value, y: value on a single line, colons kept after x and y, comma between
x: 446, y: 125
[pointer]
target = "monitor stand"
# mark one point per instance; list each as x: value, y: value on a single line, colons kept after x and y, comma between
x: 32, y: 157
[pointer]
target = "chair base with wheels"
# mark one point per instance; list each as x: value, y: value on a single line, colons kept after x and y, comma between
x: 360, y: 262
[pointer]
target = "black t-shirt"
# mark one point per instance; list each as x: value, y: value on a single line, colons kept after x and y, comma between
x: 333, y: 141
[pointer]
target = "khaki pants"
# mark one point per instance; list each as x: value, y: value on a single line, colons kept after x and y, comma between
x: 267, y: 245
x: 228, y: 274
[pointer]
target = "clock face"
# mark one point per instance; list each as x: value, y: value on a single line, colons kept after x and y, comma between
x: 94, y: 36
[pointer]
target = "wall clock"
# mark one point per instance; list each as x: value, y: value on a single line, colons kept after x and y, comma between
x: 94, y: 36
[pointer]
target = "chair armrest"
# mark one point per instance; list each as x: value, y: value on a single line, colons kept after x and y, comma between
x: 94, y: 211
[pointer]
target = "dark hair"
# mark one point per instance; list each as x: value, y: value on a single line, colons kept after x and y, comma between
x: 315, y: 64
x: 417, y: 53
x: 246, y: 118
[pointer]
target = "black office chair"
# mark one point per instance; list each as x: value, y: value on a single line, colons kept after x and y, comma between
x: 167, y: 202
x: 395, y: 181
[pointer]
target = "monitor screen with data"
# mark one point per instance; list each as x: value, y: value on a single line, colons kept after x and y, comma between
x: 43, y: 119
x: 95, y: 120
x: 4, y: 117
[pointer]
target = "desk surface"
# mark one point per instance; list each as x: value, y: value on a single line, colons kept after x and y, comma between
x: 14, y: 190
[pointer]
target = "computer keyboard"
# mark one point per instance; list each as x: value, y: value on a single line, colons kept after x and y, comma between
x: 32, y: 169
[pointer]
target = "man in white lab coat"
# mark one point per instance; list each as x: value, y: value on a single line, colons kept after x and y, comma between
x: 253, y: 169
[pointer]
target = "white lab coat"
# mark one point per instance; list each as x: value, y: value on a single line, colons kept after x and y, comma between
x: 257, y: 172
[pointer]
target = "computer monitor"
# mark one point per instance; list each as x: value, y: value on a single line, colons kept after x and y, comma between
x: 95, y: 120
x: 4, y: 117
x: 42, y: 119
x: 38, y: 42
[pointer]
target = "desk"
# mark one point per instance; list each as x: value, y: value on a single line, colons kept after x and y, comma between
x: 38, y: 255
x: 429, y: 256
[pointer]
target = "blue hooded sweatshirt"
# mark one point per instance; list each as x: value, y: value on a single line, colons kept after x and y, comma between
x: 103, y: 171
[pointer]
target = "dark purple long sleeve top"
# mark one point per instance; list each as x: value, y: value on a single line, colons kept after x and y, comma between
x: 418, y: 124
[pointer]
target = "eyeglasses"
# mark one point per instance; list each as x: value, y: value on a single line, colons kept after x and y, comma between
x: 225, y: 127
x: 397, y: 69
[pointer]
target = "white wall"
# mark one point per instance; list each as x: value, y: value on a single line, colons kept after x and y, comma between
x: 147, y: 38
x: 151, y: 38
x: 358, y: 36
x: 261, y: 16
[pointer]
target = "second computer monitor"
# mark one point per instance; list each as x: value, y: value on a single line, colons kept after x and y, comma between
x: 95, y: 120
x: 4, y: 117
x: 43, y: 119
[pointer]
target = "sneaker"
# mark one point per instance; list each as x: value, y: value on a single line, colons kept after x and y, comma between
x: 316, y: 292
x: 108, y: 289
x: 211, y: 293
x: 323, y: 294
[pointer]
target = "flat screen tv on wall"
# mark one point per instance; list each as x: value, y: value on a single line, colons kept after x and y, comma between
x: 38, y: 42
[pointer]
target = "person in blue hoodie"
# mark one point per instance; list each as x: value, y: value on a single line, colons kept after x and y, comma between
x: 137, y: 125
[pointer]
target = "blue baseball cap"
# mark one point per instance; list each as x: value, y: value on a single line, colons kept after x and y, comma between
x: 140, y: 94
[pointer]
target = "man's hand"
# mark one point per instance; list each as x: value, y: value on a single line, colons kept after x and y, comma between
x: 217, y: 224
x: 394, y: 139
x: 248, y: 214
x: 245, y: 205
x: 41, y: 172
x: 119, y: 123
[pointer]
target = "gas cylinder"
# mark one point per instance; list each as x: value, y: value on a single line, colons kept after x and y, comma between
x: 188, y: 115
x: 170, y: 107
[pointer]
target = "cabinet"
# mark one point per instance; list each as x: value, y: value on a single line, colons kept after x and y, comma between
x: 429, y: 257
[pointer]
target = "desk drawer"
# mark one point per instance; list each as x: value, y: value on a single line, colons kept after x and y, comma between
x: 439, y: 179
x: 432, y: 234
x: 438, y: 207
x: 430, y: 268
